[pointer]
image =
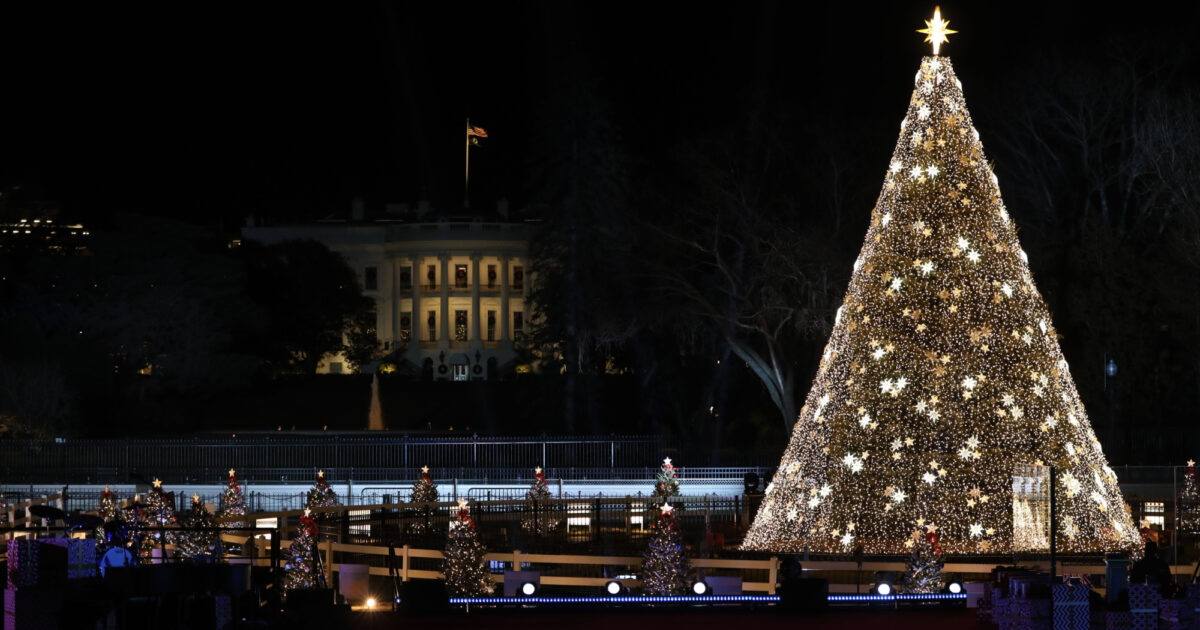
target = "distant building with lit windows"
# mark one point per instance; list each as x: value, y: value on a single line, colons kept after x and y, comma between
x: 451, y: 292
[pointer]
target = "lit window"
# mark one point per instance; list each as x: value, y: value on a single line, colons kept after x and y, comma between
x: 1153, y: 507
x: 1155, y: 520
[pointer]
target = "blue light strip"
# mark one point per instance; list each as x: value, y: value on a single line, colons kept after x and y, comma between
x: 700, y: 599
x: 624, y: 599
x: 927, y: 597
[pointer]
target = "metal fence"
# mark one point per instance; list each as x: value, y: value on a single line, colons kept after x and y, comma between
x: 277, y: 458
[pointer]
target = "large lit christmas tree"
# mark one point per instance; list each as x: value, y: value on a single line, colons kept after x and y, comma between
x: 466, y: 564
x: 942, y: 372
x: 665, y: 566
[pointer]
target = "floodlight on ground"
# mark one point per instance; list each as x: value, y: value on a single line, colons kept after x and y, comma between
x: 613, y: 587
x: 883, y: 588
x: 955, y: 587
x: 700, y: 587
x: 371, y: 603
x: 528, y: 589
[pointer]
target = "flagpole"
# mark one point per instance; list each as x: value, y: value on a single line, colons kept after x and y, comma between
x: 467, y: 168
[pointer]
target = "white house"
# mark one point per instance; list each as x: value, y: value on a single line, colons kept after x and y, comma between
x: 451, y: 293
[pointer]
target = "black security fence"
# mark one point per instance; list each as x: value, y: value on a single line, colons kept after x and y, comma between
x: 290, y: 458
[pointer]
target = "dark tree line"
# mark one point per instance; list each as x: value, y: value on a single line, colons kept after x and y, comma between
x: 160, y: 308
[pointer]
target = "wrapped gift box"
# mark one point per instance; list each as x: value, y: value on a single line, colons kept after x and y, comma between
x: 1071, y: 607
x: 1120, y: 620
x: 81, y: 556
x: 1143, y: 605
x: 31, y: 563
x: 1175, y: 614
x: 32, y: 608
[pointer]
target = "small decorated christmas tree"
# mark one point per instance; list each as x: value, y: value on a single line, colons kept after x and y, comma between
x: 233, y: 506
x: 1189, y: 501
x: 424, y: 490
x: 539, y: 514
x: 108, y: 511
x: 137, y: 537
x: 193, y: 543
x: 666, y: 484
x: 321, y: 496
x: 923, y: 568
x: 664, y: 565
x: 299, y: 569
x: 158, y: 519
x: 466, y: 566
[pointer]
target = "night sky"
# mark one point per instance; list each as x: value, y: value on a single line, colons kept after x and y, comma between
x: 209, y: 113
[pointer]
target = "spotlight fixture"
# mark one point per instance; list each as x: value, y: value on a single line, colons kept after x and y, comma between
x: 700, y: 587
x: 955, y: 588
x: 883, y: 588
x: 528, y: 589
x: 370, y: 603
x: 613, y: 587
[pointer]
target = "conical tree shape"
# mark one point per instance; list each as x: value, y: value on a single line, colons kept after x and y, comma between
x: 942, y: 372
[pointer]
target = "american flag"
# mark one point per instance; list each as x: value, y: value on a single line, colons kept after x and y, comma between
x: 477, y: 132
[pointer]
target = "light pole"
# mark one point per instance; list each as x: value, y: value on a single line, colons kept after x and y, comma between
x: 1110, y: 379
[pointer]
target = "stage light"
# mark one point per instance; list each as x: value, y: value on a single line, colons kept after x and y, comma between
x: 883, y: 588
x: 956, y: 588
x: 613, y: 587
x: 700, y: 587
x: 528, y: 589
x: 370, y: 603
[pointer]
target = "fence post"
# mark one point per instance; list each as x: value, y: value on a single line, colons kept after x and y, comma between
x: 773, y: 575
x: 329, y: 562
x: 404, y: 562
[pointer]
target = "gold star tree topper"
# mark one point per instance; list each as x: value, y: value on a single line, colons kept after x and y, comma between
x: 231, y: 472
x: 425, y: 469
x: 936, y: 30
x: 157, y: 483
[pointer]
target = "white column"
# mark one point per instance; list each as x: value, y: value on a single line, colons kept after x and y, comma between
x: 395, y: 267
x: 444, y: 324
x: 416, y: 320
x: 476, y: 337
x: 504, y: 337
